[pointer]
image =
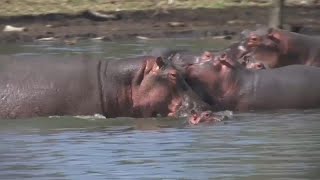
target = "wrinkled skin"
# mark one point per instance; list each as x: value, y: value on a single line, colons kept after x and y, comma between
x: 276, y: 48
x: 233, y: 87
x: 137, y: 87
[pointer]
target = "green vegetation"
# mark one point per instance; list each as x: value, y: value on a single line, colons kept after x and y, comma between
x: 35, y: 7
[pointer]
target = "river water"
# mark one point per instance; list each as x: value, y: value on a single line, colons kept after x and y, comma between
x: 282, y: 144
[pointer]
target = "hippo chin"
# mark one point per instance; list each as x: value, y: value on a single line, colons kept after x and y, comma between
x: 137, y: 87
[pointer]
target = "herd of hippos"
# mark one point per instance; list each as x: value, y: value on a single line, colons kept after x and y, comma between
x: 267, y: 69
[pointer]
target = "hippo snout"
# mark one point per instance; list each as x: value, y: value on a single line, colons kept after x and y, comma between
x: 208, y: 117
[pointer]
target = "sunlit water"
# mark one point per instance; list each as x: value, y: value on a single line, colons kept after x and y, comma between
x: 258, y: 145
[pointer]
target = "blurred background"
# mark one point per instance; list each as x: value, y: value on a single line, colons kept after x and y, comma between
x: 31, y: 20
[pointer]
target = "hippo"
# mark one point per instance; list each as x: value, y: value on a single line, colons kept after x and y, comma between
x: 147, y: 86
x: 276, y: 48
x: 228, y: 85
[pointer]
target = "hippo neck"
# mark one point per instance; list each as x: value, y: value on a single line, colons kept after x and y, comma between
x: 115, y: 85
x: 234, y: 87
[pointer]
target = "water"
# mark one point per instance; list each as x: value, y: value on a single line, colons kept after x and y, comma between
x: 257, y: 145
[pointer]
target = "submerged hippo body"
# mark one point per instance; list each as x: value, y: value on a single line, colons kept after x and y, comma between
x: 276, y: 48
x: 231, y: 86
x: 137, y: 87
x: 234, y: 87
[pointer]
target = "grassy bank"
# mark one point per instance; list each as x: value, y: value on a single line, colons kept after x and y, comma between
x: 36, y: 7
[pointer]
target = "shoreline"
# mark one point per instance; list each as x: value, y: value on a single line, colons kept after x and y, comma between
x: 144, y: 24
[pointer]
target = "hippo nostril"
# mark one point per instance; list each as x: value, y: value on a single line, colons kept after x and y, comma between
x: 259, y: 66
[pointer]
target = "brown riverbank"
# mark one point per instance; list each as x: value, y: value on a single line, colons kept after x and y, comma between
x: 202, y: 22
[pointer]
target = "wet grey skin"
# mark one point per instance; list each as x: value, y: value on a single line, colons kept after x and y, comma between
x: 32, y: 86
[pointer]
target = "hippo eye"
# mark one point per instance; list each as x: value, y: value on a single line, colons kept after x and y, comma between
x: 173, y: 75
x: 207, y: 115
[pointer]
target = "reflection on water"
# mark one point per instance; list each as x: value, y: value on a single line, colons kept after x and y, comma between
x: 257, y: 145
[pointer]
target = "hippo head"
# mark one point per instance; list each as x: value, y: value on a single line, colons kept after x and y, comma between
x: 204, y: 117
x: 238, y: 52
x: 159, y: 89
x: 218, y: 79
x: 265, y: 45
x: 194, y: 74
x: 209, y: 117
x: 182, y: 61
x: 251, y: 63
x: 206, y: 73
x: 235, y: 51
